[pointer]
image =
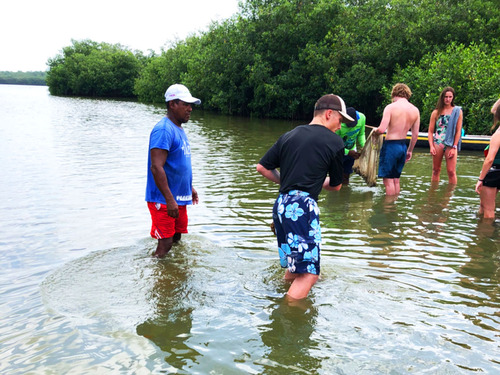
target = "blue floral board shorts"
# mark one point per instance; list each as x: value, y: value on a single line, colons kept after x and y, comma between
x: 296, y: 222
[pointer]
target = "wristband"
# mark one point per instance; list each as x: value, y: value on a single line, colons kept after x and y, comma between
x: 453, y: 146
x: 480, y: 180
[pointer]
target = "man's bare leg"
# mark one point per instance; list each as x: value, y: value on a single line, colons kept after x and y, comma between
x: 397, y: 187
x: 290, y: 276
x: 164, y: 246
x: 176, y: 238
x: 391, y: 186
x: 301, y: 285
x: 345, y: 179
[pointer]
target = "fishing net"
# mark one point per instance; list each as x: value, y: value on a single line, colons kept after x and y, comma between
x: 367, y: 164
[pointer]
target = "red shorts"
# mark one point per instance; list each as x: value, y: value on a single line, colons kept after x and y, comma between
x: 164, y: 226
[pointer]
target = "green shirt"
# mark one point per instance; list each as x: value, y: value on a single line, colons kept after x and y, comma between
x: 353, y: 137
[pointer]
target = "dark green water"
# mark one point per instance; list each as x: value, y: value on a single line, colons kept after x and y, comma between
x: 407, y: 286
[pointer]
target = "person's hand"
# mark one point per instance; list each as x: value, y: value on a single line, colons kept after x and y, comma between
x: 452, y: 153
x: 408, y: 156
x: 433, y: 150
x: 354, y: 154
x: 172, y: 208
x: 195, y: 196
x: 479, y: 185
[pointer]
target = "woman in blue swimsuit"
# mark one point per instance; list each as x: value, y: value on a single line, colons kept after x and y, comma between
x: 438, y: 126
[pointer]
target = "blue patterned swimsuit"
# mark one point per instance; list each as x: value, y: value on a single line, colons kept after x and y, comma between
x: 296, y: 221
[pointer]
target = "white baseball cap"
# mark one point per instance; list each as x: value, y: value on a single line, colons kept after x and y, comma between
x: 178, y: 91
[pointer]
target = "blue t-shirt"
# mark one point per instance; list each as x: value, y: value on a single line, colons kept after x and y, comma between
x: 168, y: 136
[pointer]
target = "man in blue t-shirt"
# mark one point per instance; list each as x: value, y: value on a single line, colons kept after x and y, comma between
x: 170, y: 180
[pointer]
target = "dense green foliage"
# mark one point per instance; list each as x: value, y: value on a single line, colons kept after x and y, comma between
x: 23, y: 78
x: 89, y: 68
x: 474, y: 72
x: 276, y: 57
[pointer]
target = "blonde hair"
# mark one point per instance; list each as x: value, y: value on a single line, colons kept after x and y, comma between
x: 401, y: 90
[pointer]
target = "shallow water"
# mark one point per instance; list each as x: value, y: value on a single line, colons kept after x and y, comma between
x: 407, y: 286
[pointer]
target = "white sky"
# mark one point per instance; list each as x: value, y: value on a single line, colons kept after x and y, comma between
x: 32, y: 31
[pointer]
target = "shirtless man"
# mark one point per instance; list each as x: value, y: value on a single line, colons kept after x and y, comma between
x: 399, y: 117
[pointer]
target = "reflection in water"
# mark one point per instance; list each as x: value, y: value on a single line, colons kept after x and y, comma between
x: 394, y: 220
x: 171, y: 323
x: 288, y: 337
x: 353, y: 204
x: 345, y: 215
x: 385, y: 217
x: 482, y: 272
x: 433, y: 210
x: 106, y: 288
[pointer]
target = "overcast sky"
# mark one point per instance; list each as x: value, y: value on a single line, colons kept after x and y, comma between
x: 32, y: 31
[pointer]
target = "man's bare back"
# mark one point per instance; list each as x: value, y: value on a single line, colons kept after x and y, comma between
x: 399, y: 117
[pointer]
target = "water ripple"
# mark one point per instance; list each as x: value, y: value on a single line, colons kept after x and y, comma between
x: 407, y: 285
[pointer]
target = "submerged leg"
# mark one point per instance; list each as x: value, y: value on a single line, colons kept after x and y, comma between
x: 290, y: 276
x: 451, y: 167
x: 391, y: 186
x: 345, y: 179
x: 164, y: 246
x: 397, y: 187
x: 177, y: 237
x: 436, y: 162
x: 301, y: 285
x: 487, y: 197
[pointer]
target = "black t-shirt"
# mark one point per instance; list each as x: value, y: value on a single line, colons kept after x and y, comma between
x: 305, y: 155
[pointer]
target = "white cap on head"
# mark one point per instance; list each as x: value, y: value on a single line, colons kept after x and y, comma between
x: 178, y: 91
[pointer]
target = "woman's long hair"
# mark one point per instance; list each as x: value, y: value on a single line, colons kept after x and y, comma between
x: 496, y: 119
x: 440, y: 102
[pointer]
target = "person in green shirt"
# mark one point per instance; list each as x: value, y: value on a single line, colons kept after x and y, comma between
x: 353, y: 135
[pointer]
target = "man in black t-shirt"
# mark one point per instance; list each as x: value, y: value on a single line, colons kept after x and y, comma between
x: 309, y: 158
